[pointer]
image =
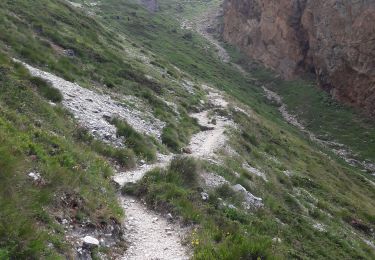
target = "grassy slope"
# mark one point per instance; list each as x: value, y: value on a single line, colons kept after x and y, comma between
x: 336, y: 189
x: 328, y: 118
x: 37, y: 137
x: 320, y: 188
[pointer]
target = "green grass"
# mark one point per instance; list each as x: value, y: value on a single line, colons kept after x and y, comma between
x: 176, y: 135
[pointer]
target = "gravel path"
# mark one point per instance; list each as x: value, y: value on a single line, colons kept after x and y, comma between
x: 150, y: 235
x: 137, y: 174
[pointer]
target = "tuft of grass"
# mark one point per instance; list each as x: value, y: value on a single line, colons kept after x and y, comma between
x: 141, y: 145
x: 185, y: 170
x: 46, y: 90
x: 123, y: 156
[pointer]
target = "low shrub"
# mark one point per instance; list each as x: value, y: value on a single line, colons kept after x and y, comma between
x: 185, y: 170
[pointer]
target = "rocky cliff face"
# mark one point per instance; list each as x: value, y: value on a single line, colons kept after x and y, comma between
x: 335, y: 39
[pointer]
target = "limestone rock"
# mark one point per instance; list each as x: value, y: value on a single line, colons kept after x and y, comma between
x: 333, y: 39
x: 251, y: 201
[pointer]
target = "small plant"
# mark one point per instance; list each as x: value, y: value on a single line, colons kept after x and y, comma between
x: 125, y: 157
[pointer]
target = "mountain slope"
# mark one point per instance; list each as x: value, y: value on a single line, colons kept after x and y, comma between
x: 315, y: 205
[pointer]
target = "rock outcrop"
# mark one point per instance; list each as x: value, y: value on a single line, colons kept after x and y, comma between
x: 334, y: 39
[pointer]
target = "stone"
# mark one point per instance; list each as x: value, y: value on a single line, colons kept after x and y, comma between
x: 239, y: 188
x: 186, y: 150
x: 90, y: 242
x: 204, y: 196
x: 35, y: 176
x: 169, y: 217
x: 69, y: 52
x: 250, y: 201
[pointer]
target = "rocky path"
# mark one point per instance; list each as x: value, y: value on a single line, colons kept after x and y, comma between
x: 202, y: 25
x: 205, y: 143
x: 150, y: 236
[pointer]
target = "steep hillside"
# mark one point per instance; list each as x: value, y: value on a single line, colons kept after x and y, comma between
x: 333, y: 40
x: 125, y: 136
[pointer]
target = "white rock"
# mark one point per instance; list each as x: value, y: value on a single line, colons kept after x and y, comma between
x: 255, y: 171
x: 239, y: 188
x: 34, y: 175
x: 90, y: 241
x: 204, y: 196
x: 250, y: 199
